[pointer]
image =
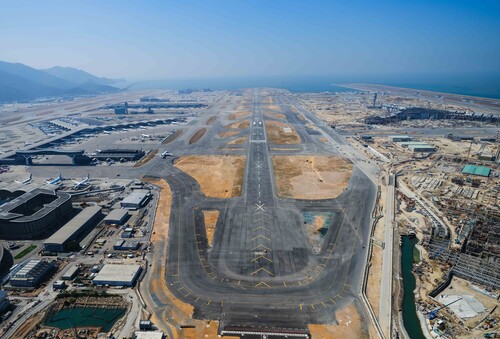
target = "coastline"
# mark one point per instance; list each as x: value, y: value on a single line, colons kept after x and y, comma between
x: 483, y: 104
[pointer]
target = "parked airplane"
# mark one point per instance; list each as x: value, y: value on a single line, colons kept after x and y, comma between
x: 54, y: 181
x: 84, y: 182
x: 166, y: 154
x: 25, y: 181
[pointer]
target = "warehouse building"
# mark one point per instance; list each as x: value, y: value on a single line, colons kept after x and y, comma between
x: 422, y: 148
x: 116, y: 217
x: 32, y: 273
x: 84, y: 221
x: 148, y: 335
x: 71, y: 273
x: 33, y: 214
x: 117, y: 275
x: 477, y: 170
x: 418, y: 146
x: 136, y: 199
x: 399, y: 138
x: 122, y: 245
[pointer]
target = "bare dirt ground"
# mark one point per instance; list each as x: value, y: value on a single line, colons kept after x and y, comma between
x: 238, y: 115
x: 197, y: 135
x: 276, y: 108
x: 325, y: 140
x: 238, y: 141
x: 274, y: 115
x: 463, y: 287
x: 239, y: 125
x: 145, y: 159
x: 350, y: 325
x: 277, y: 134
x: 28, y: 326
x: 211, y: 120
x: 173, y: 137
x: 180, y: 312
x: 219, y: 176
x: 374, y: 278
x: 311, y: 177
x: 210, y: 222
x: 227, y: 134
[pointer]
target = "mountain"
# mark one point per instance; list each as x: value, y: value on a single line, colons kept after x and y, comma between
x: 35, y: 75
x: 19, y: 82
x: 78, y: 76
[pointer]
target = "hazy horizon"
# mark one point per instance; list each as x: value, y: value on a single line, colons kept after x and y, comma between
x: 228, y: 39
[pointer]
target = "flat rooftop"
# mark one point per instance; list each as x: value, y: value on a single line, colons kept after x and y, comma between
x: 117, y: 273
x: 74, y: 225
x: 477, y: 170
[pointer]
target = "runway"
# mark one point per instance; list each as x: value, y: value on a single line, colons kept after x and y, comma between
x: 261, y: 271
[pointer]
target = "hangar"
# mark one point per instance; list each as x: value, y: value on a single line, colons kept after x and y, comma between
x: 136, y: 199
x: 84, y: 220
x: 116, y: 217
x: 117, y: 275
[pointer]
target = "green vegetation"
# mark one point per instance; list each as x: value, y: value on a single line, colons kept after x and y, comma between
x: 25, y: 252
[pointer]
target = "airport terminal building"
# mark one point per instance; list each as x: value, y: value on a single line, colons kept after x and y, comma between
x: 33, y: 214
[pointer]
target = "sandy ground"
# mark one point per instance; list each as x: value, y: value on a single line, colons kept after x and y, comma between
x: 311, y: 177
x: 349, y: 325
x: 210, y: 222
x: 238, y: 115
x: 238, y: 141
x: 276, y: 133
x: 274, y: 115
x: 301, y: 117
x: 219, y: 176
x: 239, y: 125
x: 227, y: 134
x: 197, y: 135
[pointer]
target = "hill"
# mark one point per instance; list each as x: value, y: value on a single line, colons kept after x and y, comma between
x: 19, y: 82
x: 78, y: 76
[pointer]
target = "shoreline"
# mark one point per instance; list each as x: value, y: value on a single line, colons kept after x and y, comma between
x: 473, y: 103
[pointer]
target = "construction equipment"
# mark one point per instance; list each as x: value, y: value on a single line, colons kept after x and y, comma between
x: 434, y: 313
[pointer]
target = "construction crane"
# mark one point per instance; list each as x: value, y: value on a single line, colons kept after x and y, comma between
x: 434, y: 313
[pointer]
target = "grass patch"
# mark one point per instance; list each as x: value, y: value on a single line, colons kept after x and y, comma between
x: 25, y: 252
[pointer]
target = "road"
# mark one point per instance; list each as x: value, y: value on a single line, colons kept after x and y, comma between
x: 385, y: 309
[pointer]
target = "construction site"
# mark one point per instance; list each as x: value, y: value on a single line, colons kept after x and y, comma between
x: 444, y: 153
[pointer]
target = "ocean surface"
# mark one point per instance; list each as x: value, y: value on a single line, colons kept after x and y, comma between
x: 483, y: 85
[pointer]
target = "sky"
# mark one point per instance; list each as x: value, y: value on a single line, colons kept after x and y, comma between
x: 146, y: 40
